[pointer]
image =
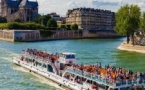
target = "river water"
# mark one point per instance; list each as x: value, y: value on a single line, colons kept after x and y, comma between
x: 88, y: 51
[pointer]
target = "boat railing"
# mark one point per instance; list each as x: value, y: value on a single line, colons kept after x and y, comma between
x: 105, y: 81
x: 31, y: 56
x: 129, y: 83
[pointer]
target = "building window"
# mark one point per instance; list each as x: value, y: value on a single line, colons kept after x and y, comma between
x: 12, y: 11
x: 28, y: 18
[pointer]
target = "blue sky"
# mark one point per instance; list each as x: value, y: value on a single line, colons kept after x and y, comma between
x: 61, y: 6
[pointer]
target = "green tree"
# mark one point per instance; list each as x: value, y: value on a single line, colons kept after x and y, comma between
x: 43, y: 19
x: 52, y: 24
x: 17, y: 20
x: 74, y: 27
x: 63, y: 26
x: 142, y: 29
x: 142, y: 23
x: 3, y: 20
x: 127, y: 21
x: 68, y: 27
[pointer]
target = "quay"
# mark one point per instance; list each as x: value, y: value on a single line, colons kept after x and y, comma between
x: 35, y: 35
x: 133, y: 48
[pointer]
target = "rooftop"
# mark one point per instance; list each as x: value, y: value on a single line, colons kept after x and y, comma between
x: 90, y: 9
x: 23, y: 3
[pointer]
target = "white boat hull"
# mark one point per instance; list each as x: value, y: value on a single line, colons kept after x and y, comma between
x: 58, y: 79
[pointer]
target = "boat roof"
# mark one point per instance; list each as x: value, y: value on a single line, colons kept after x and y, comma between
x: 67, y: 53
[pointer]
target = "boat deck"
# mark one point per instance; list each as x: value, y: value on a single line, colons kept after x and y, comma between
x: 104, y: 81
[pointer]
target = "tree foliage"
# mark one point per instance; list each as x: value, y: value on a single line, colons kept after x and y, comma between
x: 68, y: 27
x: 74, y: 27
x: 127, y: 20
x: 17, y: 20
x: 43, y: 19
x: 3, y: 25
x: 142, y: 23
x: 23, y: 26
x: 52, y: 24
x: 63, y: 26
x: 3, y: 20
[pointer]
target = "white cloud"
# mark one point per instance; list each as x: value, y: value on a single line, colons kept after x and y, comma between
x: 109, y: 1
x: 61, y: 6
x: 72, y: 4
x: 81, y: 3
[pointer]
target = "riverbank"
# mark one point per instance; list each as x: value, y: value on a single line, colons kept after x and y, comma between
x: 36, y: 35
x: 133, y: 48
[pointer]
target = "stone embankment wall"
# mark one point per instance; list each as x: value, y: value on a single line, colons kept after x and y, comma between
x: 34, y: 35
x: 100, y: 34
x: 6, y: 35
x: 63, y: 35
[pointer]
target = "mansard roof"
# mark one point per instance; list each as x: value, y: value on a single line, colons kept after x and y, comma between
x: 23, y: 3
x: 26, y: 3
x: 13, y: 4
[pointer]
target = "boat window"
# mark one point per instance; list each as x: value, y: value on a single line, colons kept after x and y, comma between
x: 30, y: 60
x: 83, y: 79
x: 33, y: 60
x: 78, y: 80
x: 73, y: 75
x: 44, y: 65
x: 89, y: 81
x: 94, y: 83
x: 113, y: 88
x: 36, y: 63
x: 62, y: 66
x: 40, y: 64
x: 70, y: 56
x: 49, y: 68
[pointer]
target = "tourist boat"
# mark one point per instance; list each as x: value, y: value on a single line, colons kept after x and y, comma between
x: 64, y: 70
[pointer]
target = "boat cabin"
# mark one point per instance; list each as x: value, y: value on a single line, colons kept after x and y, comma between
x: 67, y: 58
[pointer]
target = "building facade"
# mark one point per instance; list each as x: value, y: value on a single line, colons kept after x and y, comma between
x: 91, y: 19
x: 24, y: 10
x: 58, y: 18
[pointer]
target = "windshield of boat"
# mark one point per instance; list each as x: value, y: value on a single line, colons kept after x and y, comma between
x: 70, y: 56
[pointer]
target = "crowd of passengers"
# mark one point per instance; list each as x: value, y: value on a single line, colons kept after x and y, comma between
x: 111, y: 73
x: 42, y: 54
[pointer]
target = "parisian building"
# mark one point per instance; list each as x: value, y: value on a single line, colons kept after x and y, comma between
x: 58, y: 18
x: 91, y: 19
x: 24, y: 10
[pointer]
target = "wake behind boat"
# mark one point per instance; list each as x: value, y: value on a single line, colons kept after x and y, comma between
x: 63, y: 69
